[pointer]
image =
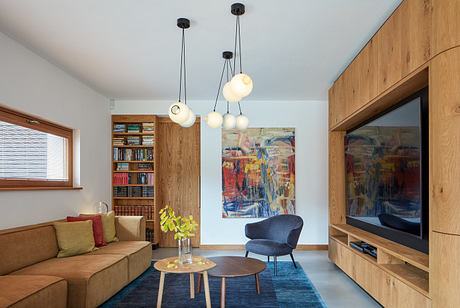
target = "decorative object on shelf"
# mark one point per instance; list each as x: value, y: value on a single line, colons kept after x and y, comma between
x: 228, y: 121
x: 102, y: 207
x: 241, y: 84
x: 265, y: 178
x: 179, y: 112
x: 183, y: 228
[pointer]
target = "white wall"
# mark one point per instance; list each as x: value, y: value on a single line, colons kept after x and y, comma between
x: 310, y: 120
x: 31, y: 84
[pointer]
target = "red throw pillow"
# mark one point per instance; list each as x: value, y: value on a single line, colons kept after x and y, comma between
x: 97, y: 228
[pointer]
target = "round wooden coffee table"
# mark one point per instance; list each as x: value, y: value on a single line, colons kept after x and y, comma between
x: 171, y: 265
x: 229, y: 267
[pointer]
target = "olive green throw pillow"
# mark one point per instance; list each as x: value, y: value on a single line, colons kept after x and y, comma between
x: 108, y: 226
x: 74, y: 238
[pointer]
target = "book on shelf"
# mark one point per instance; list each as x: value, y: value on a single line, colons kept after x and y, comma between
x: 119, y: 128
x: 122, y: 166
x: 147, y: 140
x: 121, y: 178
x: 148, y: 211
x: 133, y: 191
x: 145, y: 167
x: 148, y: 127
x: 133, y: 140
x: 133, y: 154
x: 134, y: 128
x: 149, y: 235
x: 118, y: 141
x: 145, y: 178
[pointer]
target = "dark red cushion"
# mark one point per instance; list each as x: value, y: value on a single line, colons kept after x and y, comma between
x: 97, y: 228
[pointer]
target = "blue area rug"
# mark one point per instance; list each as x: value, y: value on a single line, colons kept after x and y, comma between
x: 291, y: 288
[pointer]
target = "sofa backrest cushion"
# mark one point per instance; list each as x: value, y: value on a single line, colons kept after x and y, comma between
x: 21, y: 247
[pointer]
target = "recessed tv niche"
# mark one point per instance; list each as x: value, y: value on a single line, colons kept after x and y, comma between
x: 386, y: 164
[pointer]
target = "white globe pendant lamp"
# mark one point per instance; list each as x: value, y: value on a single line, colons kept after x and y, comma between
x: 214, y: 119
x: 229, y: 95
x: 179, y: 112
x: 229, y: 121
x: 242, y: 122
x: 190, y: 121
x: 241, y: 85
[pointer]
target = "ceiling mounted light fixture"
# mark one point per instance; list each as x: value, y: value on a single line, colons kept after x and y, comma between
x: 179, y: 112
x: 241, y: 84
x: 228, y: 121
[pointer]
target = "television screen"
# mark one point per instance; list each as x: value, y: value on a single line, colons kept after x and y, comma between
x: 383, y: 161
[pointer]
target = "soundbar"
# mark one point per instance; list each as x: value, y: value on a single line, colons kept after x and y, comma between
x: 364, y: 248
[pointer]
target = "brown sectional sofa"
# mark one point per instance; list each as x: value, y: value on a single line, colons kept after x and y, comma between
x: 32, y: 276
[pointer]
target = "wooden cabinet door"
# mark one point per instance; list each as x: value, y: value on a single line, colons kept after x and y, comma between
x: 179, y: 173
x: 444, y: 109
x: 403, y: 42
x: 445, y: 31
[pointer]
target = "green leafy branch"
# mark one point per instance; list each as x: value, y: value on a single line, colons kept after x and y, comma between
x: 183, y: 227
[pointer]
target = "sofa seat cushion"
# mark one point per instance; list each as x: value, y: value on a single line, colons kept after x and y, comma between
x: 33, y: 291
x: 92, y: 279
x: 139, y: 255
x: 268, y: 247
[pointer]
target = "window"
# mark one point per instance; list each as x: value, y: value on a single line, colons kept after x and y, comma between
x: 33, y: 153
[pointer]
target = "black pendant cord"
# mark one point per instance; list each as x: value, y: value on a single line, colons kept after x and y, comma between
x: 220, y: 85
x: 181, y: 60
x: 185, y: 68
x: 239, y: 41
x: 239, y: 106
x: 236, y: 40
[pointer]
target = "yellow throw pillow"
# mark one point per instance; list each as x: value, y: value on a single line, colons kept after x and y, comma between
x: 108, y: 226
x: 74, y: 238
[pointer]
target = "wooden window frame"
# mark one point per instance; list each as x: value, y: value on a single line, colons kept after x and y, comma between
x: 35, y: 123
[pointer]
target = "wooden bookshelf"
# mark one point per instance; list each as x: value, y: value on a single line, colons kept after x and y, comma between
x: 123, y: 202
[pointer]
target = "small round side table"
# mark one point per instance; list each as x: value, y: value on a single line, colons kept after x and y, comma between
x: 171, y: 265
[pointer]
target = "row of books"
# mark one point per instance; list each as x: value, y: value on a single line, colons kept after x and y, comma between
x: 126, y: 178
x: 135, y: 210
x: 132, y: 154
x: 119, y: 128
x: 133, y: 140
x: 149, y: 235
x: 122, y: 167
x: 148, y: 127
x: 145, y: 166
x: 133, y: 191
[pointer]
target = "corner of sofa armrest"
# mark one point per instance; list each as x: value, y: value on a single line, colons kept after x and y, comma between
x: 130, y: 228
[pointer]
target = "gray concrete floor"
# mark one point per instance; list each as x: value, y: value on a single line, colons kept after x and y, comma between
x: 334, y: 286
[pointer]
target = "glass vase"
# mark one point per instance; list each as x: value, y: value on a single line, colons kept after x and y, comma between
x: 185, y: 251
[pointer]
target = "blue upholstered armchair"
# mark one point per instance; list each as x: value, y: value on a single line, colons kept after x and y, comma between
x: 274, y: 236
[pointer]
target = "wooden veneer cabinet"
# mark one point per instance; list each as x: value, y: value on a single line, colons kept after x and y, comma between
x: 418, y: 46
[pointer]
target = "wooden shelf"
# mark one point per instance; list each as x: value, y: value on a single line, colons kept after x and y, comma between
x: 135, y: 171
x: 414, y: 257
x: 133, y: 198
x: 134, y: 134
x: 149, y: 220
x: 133, y: 146
x: 133, y: 161
x: 409, y: 274
x: 343, y: 239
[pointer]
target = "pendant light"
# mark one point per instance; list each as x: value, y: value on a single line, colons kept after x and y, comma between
x: 241, y: 84
x: 179, y: 112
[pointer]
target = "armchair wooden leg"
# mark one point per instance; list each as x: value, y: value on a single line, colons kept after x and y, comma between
x: 247, y: 252
x: 268, y: 258
x: 292, y: 258
x: 274, y: 257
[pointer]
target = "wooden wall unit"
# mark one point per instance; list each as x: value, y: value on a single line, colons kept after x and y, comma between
x: 179, y: 169
x: 418, y: 46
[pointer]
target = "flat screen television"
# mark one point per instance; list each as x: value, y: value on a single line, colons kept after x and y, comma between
x: 386, y: 163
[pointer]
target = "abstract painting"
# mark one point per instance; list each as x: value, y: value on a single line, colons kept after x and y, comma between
x: 258, y: 172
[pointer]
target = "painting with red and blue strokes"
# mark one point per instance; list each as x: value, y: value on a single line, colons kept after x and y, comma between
x: 258, y: 172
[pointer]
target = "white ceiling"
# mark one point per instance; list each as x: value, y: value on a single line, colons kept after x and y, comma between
x: 126, y: 49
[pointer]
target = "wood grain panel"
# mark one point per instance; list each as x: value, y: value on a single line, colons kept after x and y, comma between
x: 179, y: 174
x: 445, y: 269
x: 337, y: 102
x: 336, y: 179
x: 445, y: 141
x: 445, y: 32
x: 404, y: 42
x: 404, y: 296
